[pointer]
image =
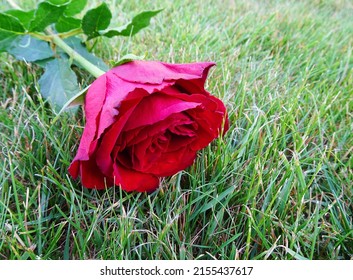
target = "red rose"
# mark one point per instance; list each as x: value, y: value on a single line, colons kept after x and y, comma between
x: 146, y: 120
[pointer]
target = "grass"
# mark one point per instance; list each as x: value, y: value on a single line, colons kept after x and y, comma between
x: 278, y: 185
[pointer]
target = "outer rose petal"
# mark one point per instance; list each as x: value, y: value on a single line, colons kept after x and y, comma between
x: 152, y: 76
x: 104, y: 159
x: 131, y: 180
x: 74, y: 169
x: 155, y: 72
x: 96, y: 97
x: 118, y: 91
x: 91, y: 177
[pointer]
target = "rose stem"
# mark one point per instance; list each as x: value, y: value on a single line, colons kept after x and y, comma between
x: 91, y: 68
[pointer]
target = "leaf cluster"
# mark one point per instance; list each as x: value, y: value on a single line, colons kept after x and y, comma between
x: 26, y: 36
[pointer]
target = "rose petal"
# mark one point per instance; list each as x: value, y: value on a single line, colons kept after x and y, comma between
x: 177, y: 142
x: 156, y: 108
x: 131, y: 180
x: 74, y: 169
x: 185, y: 129
x: 104, y: 159
x: 94, y: 102
x: 91, y: 177
x: 146, y: 153
x: 155, y: 72
x: 118, y: 91
x: 173, y: 162
x: 134, y: 136
x: 212, y: 117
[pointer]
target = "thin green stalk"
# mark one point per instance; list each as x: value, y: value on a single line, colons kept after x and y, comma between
x: 40, y: 36
x: 71, y: 33
x: 91, y: 68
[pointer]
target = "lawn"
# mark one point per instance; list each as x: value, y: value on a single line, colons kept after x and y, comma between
x: 278, y: 185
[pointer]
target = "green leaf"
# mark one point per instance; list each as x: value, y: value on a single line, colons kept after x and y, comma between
x: 139, y: 22
x: 66, y: 24
x: 75, y: 7
x: 45, y: 15
x: 76, y: 100
x: 24, y: 17
x: 128, y: 58
x: 42, y: 63
x: 10, y: 28
x: 30, y: 49
x: 79, y: 47
x: 96, y: 20
x: 6, y: 39
x: 10, y: 23
x: 58, y: 83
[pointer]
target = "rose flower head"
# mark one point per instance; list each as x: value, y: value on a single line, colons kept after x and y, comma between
x: 146, y: 120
